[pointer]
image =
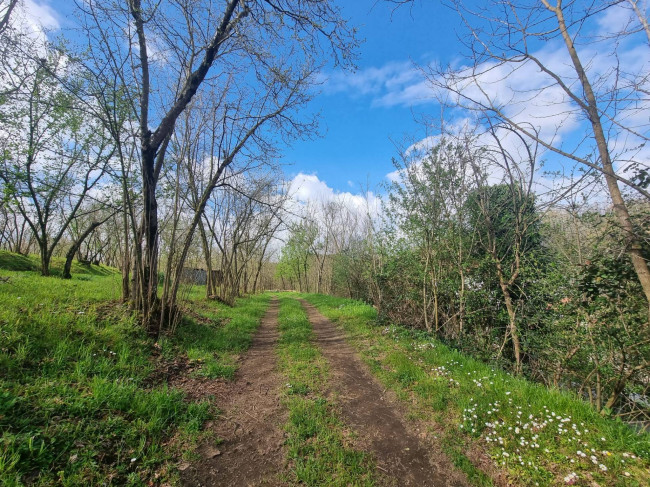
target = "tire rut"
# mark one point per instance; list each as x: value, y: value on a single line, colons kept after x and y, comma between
x: 251, y: 424
x: 375, y: 418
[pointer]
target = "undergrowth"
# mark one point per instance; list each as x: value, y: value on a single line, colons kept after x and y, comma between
x: 535, y: 435
x: 319, y: 449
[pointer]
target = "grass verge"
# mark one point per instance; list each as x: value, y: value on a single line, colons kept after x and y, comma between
x: 76, y: 402
x: 534, y: 435
x: 319, y: 448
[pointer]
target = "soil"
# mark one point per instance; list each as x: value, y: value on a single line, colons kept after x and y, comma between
x: 251, y: 425
x: 377, y: 418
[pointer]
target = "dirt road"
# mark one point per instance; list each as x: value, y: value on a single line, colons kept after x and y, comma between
x: 251, y: 425
x: 375, y: 418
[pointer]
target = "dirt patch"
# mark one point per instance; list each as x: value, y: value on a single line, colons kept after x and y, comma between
x: 170, y: 372
x: 250, y: 426
x: 376, y: 418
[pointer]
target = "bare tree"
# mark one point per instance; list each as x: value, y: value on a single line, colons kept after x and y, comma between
x: 6, y: 9
x: 268, y: 48
x: 56, y: 156
x: 505, y: 42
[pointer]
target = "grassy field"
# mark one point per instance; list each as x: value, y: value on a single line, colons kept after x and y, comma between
x: 318, y: 444
x: 535, y: 435
x: 77, y: 404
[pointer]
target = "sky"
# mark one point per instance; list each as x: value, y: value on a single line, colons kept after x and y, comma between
x: 369, y: 114
x: 362, y: 125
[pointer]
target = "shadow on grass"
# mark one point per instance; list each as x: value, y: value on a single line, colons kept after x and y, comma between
x: 10, y: 261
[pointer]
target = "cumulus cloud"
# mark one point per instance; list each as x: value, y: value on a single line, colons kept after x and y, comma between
x: 308, y: 190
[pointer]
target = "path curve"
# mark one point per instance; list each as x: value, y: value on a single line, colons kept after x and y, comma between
x: 375, y: 419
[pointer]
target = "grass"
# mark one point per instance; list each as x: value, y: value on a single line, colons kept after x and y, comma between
x: 76, y: 404
x: 319, y: 448
x: 17, y: 262
x: 535, y: 435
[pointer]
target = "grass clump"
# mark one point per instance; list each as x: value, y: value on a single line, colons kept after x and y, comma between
x: 318, y: 446
x: 214, y: 339
x: 538, y: 436
x: 77, y: 406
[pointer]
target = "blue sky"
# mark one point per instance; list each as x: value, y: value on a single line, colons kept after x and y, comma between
x: 360, y: 133
x: 368, y: 114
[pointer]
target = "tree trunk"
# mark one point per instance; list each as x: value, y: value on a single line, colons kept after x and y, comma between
x: 126, y: 259
x: 512, y: 325
x: 45, y: 260
x: 75, y: 247
x: 209, y: 281
x: 620, y: 208
x: 149, y: 278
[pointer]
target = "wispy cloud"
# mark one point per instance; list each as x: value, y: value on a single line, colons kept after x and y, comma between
x: 394, y: 83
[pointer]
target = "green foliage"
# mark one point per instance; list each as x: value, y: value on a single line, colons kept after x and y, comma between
x: 455, y: 250
x: 294, y: 259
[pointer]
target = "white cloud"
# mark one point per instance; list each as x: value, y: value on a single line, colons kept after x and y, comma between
x: 309, y: 190
x: 35, y: 19
x: 394, y: 83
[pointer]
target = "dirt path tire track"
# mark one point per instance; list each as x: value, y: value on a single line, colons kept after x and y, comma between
x: 251, y: 425
x: 375, y: 418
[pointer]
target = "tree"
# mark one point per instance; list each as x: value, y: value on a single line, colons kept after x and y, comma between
x: 427, y: 203
x: 5, y: 14
x: 263, y: 54
x: 54, y: 155
x: 603, y: 99
x: 81, y: 237
x: 297, y: 252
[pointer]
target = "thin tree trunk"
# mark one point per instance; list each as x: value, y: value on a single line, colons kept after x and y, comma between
x: 75, y: 247
x: 620, y: 208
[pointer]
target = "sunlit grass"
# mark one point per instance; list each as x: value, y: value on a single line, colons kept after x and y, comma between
x: 317, y: 445
x: 77, y: 406
x: 539, y: 436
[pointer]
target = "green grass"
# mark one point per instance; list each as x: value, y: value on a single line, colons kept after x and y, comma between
x: 76, y: 402
x: 214, y: 343
x: 319, y: 448
x: 532, y: 433
x: 16, y: 262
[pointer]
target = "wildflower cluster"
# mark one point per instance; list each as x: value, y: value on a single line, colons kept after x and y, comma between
x: 443, y: 371
x: 392, y: 332
x: 531, y: 441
